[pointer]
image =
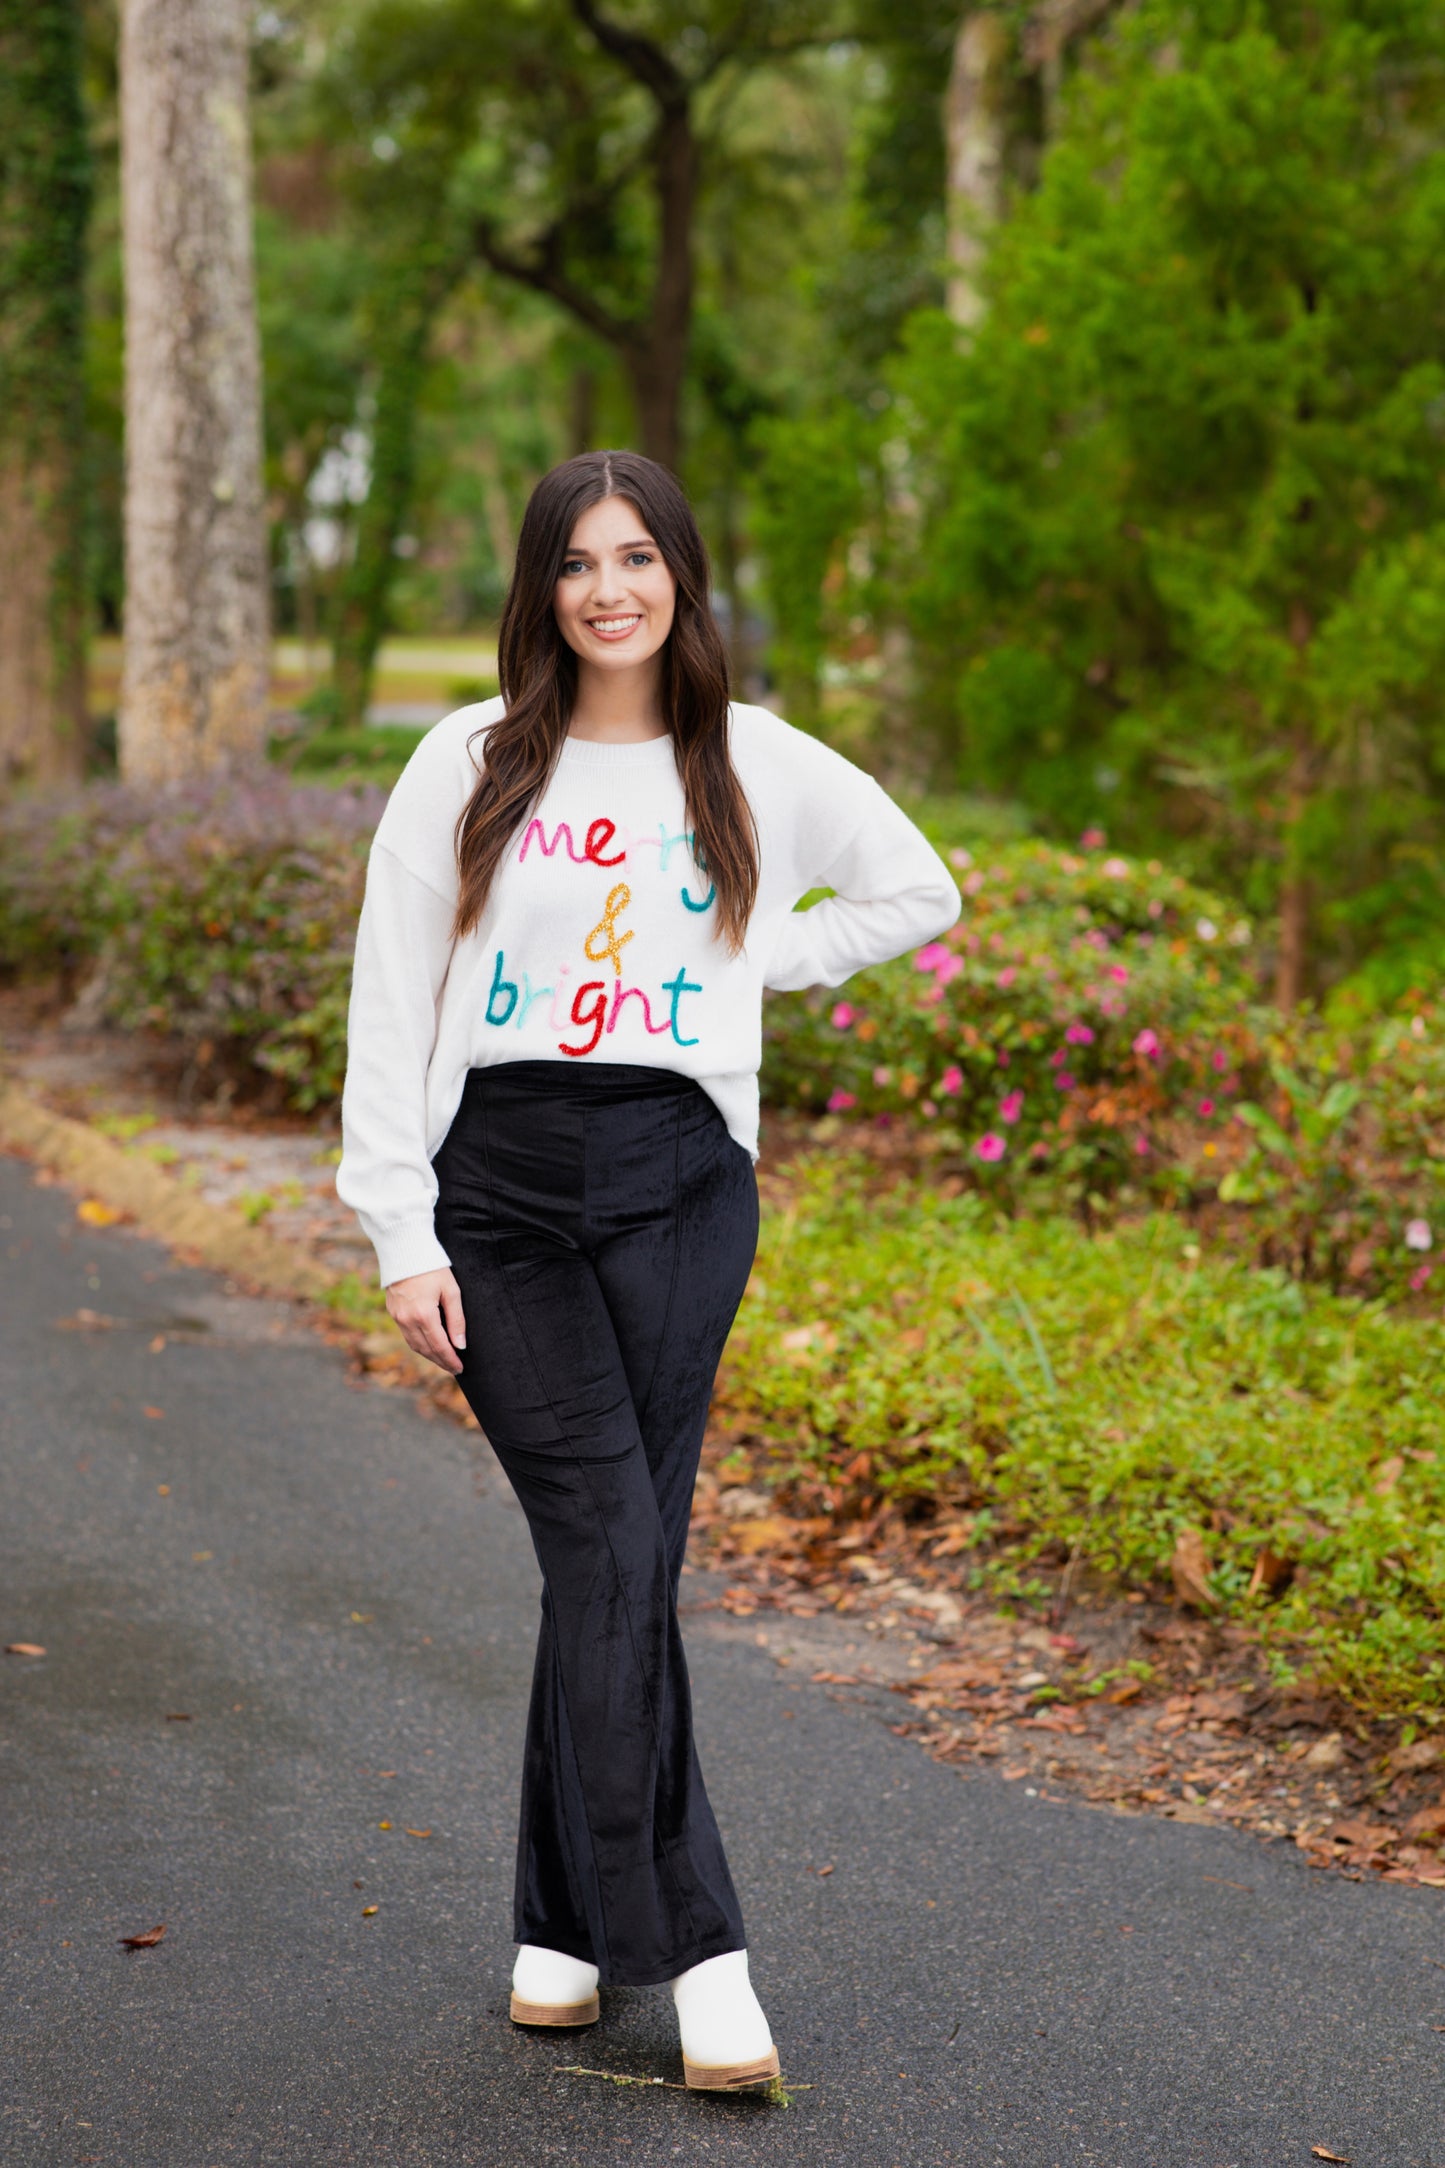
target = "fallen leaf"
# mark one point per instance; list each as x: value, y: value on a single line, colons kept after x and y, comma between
x: 821, y: 1871
x: 178, y: 1716
x: 1424, y: 1754
x: 1326, y: 1753
x: 1189, y: 1568
x: 1271, y: 1574
x: 835, y: 1678
x: 369, y: 1911
x: 418, y: 1832
x: 362, y: 1618
x: 88, y: 1321
x: 761, y: 1534
x: 23, y: 1648
x: 198, y: 1558
x: 383, y: 1825
x: 1126, y: 1690
x: 94, y: 1213
x: 157, y: 1344
x: 1322, y: 2152
x: 1387, y: 1475
x: 147, y: 1941
x: 157, y: 1415
x: 1225, y: 1706
x: 1429, y: 1822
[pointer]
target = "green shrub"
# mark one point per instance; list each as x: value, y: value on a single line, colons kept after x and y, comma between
x: 222, y: 913
x: 1096, y: 1395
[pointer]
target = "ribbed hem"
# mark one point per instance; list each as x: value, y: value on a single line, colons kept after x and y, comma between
x: 599, y: 753
x: 405, y: 1247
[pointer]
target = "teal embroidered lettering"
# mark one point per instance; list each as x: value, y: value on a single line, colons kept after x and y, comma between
x: 599, y: 835
x: 677, y: 987
x: 500, y: 986
x: 595, y: 1015
x: 530, y: 993
x: 667, y: 844
x: 535, y: 828
x: 707, y: 899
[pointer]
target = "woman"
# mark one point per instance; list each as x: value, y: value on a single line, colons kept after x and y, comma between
x: 576, y: 896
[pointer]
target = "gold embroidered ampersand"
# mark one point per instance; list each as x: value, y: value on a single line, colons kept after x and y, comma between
x: 613, y: 942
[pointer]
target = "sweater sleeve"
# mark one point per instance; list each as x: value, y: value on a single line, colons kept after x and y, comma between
x: 892, y: 892
x: 403, y: 951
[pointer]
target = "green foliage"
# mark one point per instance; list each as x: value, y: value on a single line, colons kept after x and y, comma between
x: 223, y: 915
x: 1095, y: 1396
x: 810, y: 490
x: 1167, y: 525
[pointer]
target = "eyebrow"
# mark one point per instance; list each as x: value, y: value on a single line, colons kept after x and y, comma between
x: 642, y: 542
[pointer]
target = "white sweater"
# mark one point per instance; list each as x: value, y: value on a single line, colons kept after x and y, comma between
x: 598, y: 940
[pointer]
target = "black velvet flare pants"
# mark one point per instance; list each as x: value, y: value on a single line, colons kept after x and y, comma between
x: 601, y: 1224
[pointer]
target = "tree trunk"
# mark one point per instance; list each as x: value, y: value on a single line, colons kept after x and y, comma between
x: 976, y: 127
x: 657, y: 359
x: 44, y: 205
x: 194, y: 684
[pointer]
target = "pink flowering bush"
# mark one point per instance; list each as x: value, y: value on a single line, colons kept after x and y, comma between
x: 1073, y: 1027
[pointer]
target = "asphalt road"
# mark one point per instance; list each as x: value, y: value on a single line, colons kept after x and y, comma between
x: 337, y: 1593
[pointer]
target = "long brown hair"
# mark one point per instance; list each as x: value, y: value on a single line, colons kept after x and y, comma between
x: 538, y: 673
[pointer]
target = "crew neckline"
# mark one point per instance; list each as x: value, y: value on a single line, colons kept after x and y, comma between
x: 606, y: 753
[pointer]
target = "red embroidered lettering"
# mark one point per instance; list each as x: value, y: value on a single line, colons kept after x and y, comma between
x: 595, y: 1015
x: 599, y: 835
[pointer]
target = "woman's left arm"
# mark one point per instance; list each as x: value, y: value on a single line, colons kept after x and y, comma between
x: 892, y: 891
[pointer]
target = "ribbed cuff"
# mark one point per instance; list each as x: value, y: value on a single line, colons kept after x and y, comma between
x: 406, y: 1247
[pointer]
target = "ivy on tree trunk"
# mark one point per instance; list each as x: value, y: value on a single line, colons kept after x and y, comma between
x: 44, y: 207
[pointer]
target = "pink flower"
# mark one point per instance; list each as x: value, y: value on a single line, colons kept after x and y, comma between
x: 990, y: 1145
x: 1058, y: 1058
x: 1011, y: 1107
x: 1141, y: 1145
x: 1002, y: 1057
x: 1093, y: 839
x: 948, y: 969
x: 1206, y: 1107
x: 883, y: 1076
x: 1113, y: 1004
x: 840, y: 1101
x: 1418, y: 1277
x: 1417, y: 1235
x: 1119, y: 972
x: 952, y: 1082
x: 842, y: 1016
x: 1116, y: 868
x: 973, y: 882
x: 1079, y: 1035
x: 1147, y: 1042
x: 927, y: 1106
x: 1219, y: 1059
x: 1007, y: 976
x: 930, y: 956
x: 1064, y: 1081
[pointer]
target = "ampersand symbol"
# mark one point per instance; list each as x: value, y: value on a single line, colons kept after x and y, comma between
x: 613, y: 943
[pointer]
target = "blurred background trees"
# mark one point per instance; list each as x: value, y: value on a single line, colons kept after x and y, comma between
x: 1059, y: 386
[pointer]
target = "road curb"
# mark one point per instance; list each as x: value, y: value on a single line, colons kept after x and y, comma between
x: 213, y: 1233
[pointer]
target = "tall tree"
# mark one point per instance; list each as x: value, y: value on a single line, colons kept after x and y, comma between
x: 194, y: 687
x: 44, y: 202
x: 1181, y: 550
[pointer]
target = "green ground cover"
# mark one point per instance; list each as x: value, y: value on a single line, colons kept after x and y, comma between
x: 1091, y: 1396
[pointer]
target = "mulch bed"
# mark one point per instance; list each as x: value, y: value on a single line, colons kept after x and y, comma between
x: 1208, y: 1736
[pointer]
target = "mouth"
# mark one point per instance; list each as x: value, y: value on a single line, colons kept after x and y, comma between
x: 613, y: 628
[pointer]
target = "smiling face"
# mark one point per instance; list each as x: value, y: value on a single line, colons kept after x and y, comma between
x: 615, y: 596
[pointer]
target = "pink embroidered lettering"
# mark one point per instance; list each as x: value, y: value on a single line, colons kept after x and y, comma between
x: 536, y: 828
x: 621, y: 993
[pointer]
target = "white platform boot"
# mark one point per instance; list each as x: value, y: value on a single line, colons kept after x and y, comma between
x: 726, y: 2044
x: 550, y: 1989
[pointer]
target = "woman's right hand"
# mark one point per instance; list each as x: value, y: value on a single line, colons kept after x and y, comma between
x: 428, y: 1308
